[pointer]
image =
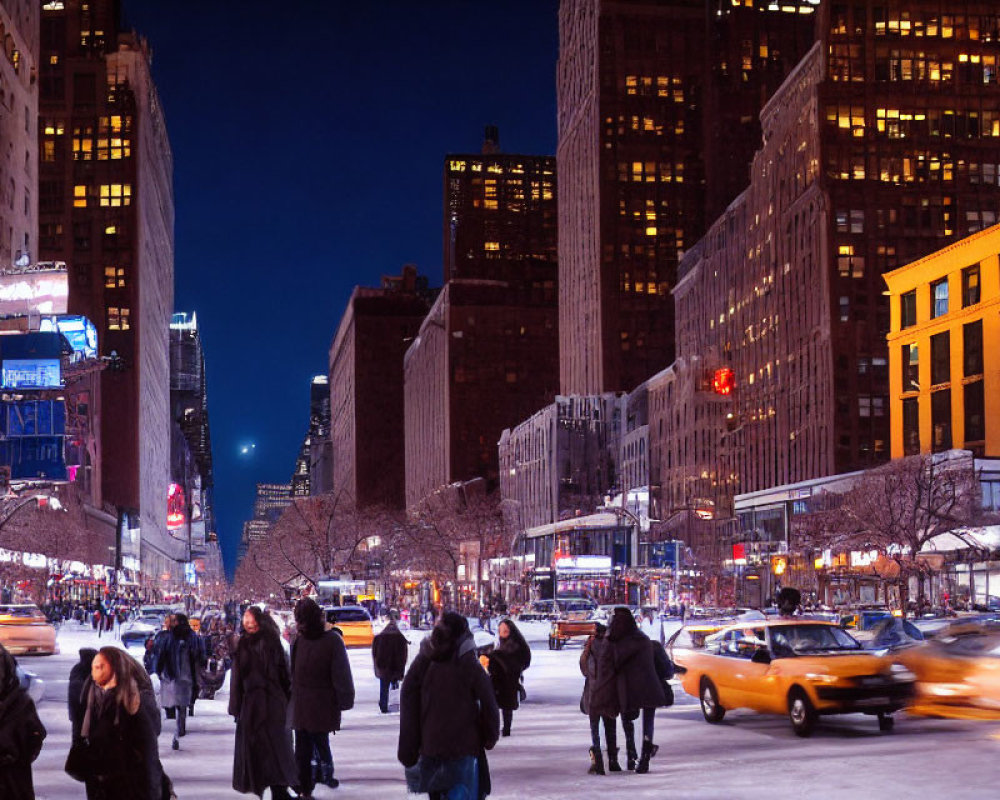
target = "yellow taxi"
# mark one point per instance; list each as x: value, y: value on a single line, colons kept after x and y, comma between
x: 354, y: 624
x: 958, y: 673
x: 25, y: 631
x: 796, y: 666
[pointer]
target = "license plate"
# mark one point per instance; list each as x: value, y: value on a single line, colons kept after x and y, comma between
x: 874, y: 701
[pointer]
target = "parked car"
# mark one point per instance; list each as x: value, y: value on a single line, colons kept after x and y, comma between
x: 24, y: 630
x: 139, y: 630
x: 798, y: 667
x: 353, y: 622
x: 539, y: 610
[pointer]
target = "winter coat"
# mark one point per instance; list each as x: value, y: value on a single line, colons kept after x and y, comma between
x: 258, y: 698
x: 639, y: 686
x: 390, y: 649
x: 507, y: 662
x: 124, y: 762
x: 600, y: 689
x: 177, y: 666
x: 21, y: 733
x: 322, y: 685
x: 77, y: 678
x: 447, y: 708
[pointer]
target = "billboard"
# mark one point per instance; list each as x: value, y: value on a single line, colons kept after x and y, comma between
x: 39, y: 289
x: 31, y: 373
x: 34, y: 457
x: 176, y: 513
x: 80, y: 332
x: 33, y: 418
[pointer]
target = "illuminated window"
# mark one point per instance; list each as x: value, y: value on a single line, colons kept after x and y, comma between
x: 114, y: 278
x: 54, y: 59
x: 53, y: 127
x: 118, y: 319
x: 970, y: 286
x: 83, y: 143
x: 456, y: 166
x: 491, y: 246
x: 48, y: 150
x: 79, y: 196
x: 114, y: 195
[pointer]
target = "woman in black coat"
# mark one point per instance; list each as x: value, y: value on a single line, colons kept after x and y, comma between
x: 119, y: 758
x: 322, y: 688
x: 21, y: 733
x: 177, y: 667
x: 448, y: 715
x: 258, y: 699
x: 600, y: 699
x: 640, y: 688
x: 507, y: 661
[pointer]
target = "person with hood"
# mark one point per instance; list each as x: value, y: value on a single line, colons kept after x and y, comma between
x: 390, y: 649
x: 77, y: 678
x: 322, y: 687
x: 600, y: 699
x: 260, y: 687
x: 640, y: 687
x: 448, y: 715
x: 508, y: 661
x: 117, y: 756
x: 177, y: 666
x: 21, y: 733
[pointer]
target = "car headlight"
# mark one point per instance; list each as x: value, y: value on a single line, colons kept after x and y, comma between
x: 821, y: 677
x: 899, y: 672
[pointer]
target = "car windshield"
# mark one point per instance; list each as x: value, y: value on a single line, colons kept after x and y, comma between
x: 20, y: 612
x: 150, y: 621
x: 577, y: 605
x: 793, y: 640
x: 347, y: 615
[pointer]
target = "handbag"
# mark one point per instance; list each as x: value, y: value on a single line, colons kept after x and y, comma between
x: 79, y: 760
x: 393, y: 703
x: 668, y: 693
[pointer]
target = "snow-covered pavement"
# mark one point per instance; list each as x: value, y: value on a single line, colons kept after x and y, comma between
x: 747, y: 756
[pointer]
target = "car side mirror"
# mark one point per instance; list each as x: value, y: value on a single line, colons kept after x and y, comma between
x: 761, y: 656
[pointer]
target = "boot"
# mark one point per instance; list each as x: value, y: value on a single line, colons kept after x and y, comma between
x: 647, y: 753
x: 596, y: 762
x: 613, y: 765
x: 326, y: 776
x: 631, y: 756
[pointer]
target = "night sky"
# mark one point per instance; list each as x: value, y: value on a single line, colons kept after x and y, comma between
x: 308, y: 141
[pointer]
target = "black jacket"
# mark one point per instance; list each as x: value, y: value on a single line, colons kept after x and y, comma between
x: 390, y: 649
x: 77, y: 678
x: 639, y: 685
x: 258, y: 698
x: 322, y: 685
x: 21, y: 734
x: 600, y: 689
x: 507, y: 662
x: 447, y: 708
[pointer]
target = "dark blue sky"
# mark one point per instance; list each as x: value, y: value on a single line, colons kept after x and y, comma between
x: 308, y: 141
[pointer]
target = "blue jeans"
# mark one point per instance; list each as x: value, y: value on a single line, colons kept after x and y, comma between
x: 383, y: 694
x: 465, y: 772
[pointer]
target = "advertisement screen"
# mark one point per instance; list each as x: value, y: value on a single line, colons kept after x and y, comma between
x: 34, y: 457
x: 33, y: 418
x: 39, y: 291
x: 176, y: 516
x: 34, y: 373
x: 79, y: 332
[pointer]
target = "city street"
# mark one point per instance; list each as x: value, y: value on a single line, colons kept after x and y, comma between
x: 546, y: 757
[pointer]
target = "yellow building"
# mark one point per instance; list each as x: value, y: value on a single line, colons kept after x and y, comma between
x: 944, y: 349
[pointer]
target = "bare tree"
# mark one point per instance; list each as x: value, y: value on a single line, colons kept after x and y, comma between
x: 896, y: 510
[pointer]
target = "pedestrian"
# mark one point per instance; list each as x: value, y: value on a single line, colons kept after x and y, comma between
x: 600, y: 699
x: 258, y: 699
x: 507, y: 662
x: 322, y: 688
x: 77, y: 678
x: 177, y: 665
x: 640, y: 689
x: 448, y: 715
x: 117, y: 756
x: 390, y: 650
x: 21, y: 733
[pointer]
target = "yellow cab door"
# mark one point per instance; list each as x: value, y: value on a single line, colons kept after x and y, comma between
x: 752, y: 678
x: 727, y: 671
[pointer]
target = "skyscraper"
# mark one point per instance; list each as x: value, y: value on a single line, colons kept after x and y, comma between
x: 106, y: 209
x: 657, y: 105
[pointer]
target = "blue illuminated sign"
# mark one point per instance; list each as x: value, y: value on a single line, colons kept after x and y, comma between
x: 31, y: 373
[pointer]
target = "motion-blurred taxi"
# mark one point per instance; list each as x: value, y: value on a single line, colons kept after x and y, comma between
x: 958, y: 673
x: 800, y: 667
x: 354, y: 624
x: 25, y: 631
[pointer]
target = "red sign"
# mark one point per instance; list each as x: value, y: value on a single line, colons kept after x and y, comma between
x: 740, y: 552
x: 175, y: 507
x: 723, y: 381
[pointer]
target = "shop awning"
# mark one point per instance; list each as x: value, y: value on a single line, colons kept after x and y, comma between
x: 986, y: 539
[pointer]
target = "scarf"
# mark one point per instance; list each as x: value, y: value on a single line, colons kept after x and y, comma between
x: 97, y: 703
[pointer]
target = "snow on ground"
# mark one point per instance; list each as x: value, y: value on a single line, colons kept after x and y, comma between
x: 748, y: 756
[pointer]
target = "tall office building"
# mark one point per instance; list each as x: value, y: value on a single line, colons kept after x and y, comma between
x: 19, y: 133
x: 366, y: 388
x: 500, y: 219
x: 106, y: 209
x: 657, y: 105
x: 882, y: 146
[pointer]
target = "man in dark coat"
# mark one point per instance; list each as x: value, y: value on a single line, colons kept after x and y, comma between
x: 390, y: 649
x: 600, y: 699
x: 448, y: 714
x: 322, y: 687
x: 77, y: 677
x: 640, y: 689
x: 21, y: 733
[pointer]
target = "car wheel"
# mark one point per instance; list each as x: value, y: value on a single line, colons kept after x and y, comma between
x: 886, y: 722
x: 801, y: 712
x: 710, y: 706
